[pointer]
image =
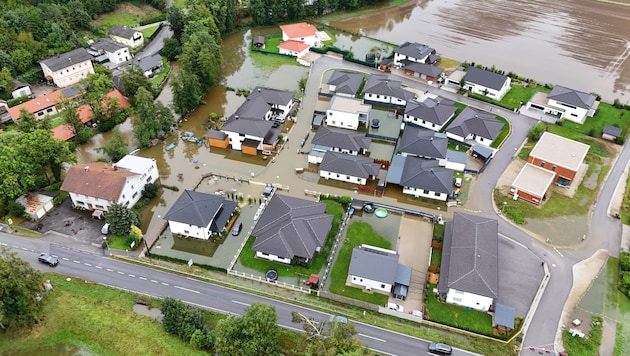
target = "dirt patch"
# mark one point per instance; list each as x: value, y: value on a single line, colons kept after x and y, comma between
x: 153, y: 313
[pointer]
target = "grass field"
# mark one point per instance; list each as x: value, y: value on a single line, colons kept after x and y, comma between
x: 503, y: 134
x: 126, y: 14
x: 588, y: 346
x: 448, y: 63
x: 149, y: 31
x: 606, y: 115
x: 157, y: 80
x: 358, y: 233
x: 518, y: 94
x: 271, y: 61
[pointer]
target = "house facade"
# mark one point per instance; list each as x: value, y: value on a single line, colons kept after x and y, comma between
x: 483, y: 82
x: 347, y: 113
x: 569, y: 104
x: 199, y: 215
x: 115, y: 52
x: 410, y: 52
x: 431, y: 113
x: 348, y: 168
x: 559, y: 155
x: 337, y: 140
x: 379, y: 88
x: 469, y: 272
x: 127, y: 36
x: 67, y: 68
x: 145, y: 167
x: 475, y: 126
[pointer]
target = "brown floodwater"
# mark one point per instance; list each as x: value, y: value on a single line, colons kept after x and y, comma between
x: 582, y: 44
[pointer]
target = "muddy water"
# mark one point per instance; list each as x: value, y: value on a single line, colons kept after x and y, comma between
x: 583, y: 44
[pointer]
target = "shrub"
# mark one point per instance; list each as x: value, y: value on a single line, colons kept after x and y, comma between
x: 624, y: 262
x: 16, y: 209
x: 537, y: 131
x: 150, y: 191
x: 58, y: 200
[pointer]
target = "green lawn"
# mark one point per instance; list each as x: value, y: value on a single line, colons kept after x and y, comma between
x: 447, y: 63
x: 119, y: 242
x: 436, y: 257
x: 503, y: 134
x: 271, y: 44
x: 456, y: 316
x: 625, y: 206
x: 518, y: 94
x: 247, y: 257
x: 438, y: 232
x: 271, y: 61
x: 588, y: 346
x: 149, y: 31
x: 125, y: 14
x: 160, y: 76
x: 606, y: 115
x: 358, y: 233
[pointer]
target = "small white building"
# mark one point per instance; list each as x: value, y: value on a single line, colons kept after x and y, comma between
x: 376, y: 269
x: 347, y: 113
x: 348, y: 168
x: 490, y: 84
x: 301, y: 32
x: 127, y: 36
x: 36, y: 205
x: 145, y: 167
x: 115, y: 52
x: 67, y: 68
x: 380, y: 88
x: 293, y: 48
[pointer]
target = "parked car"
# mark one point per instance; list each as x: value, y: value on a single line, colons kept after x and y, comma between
x: 105, y: 229
x: 339, y: 319
x: 458, y: 182
x: 440, y: 349
x: 47, y: 259
x: 237, y: 229
x: 396, y: 307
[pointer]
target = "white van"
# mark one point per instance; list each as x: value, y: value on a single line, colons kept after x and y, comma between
x: 105, y: 229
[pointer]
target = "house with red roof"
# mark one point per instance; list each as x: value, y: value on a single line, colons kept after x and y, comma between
x: 301, y: 32
x: 45, y: 105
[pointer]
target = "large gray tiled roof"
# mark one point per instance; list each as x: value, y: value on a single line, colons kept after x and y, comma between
x: 343, y: 139
x: 106, y: 45
x: 480, y: 123
x: 272, y: 96
x: 485, y: 78
x: 149, y: 62
x: 423, y: 142
x: 257, y: 128
x: 122, y: 32
x: 346, y: 82
x: 67, y: 59
x: 200, y: 209
x: 374, y: 265
x: 345, y: 164
x: 434, y: 110
x: 291, y: 227
x: 381, y: 84
x: 414, y: 50
x: 426, y: 69
x: 572, y: 97
x: 470, y: 256
x: 426, y: 174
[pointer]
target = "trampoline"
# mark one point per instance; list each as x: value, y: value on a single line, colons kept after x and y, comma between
x: 271, y: 275
x: 380, y: 212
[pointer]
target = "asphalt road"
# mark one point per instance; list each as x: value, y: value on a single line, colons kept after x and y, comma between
x: 143, y: 280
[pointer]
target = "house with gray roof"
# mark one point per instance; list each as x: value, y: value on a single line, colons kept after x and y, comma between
x: 150, y: 65
x: 251, y: 128
x: 67, y: 68
x: 347, y: 113
x: 565, y: 103
x: 412, y: 52
x: 199, y: 215
x: 485, y: 82
x: 469, y: 271
x: 611, y: 132
x: 376, y: 269
x: 291, y: 230
x: 424, y: 71
x: 432, y: 113
x: 344, y: 83
x: 380, y: 88
x: 116, y: 53
x: 348, y: 168
x: 422, y: 143
x: 126, y: 36
x: 475, y: 126
x: 421, y: 178
x: 337, y: 140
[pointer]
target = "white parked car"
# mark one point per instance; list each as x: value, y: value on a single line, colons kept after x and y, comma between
x: 396, y: 307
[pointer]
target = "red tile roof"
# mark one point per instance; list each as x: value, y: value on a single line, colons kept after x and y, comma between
x: 292, y: 45
x: 38, y: 104
x: 299, y: 30
x: 97, y: 179
x: 62, y: 132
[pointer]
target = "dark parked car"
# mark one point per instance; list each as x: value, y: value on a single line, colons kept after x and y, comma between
x: 237, y: 229
x: 45, y: 258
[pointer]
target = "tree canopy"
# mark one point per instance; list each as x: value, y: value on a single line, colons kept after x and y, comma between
x: 150, y: 118
x: 19, y: 287
x: 120, y: 219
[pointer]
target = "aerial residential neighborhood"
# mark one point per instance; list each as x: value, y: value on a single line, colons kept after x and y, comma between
x: 208, y: 174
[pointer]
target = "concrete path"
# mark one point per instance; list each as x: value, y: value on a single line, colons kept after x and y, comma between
x: 609, y: 331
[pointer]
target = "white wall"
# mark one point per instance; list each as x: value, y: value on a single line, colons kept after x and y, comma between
x: 454, y: 137
x: 273, y: 258
x: 342, y: 177
x: 470, y: 300
x: 398, y: 57
x: 130, y: 42
x: 69, y: 75
x: 417, y: 192
x: 189, y: 230
x: 423, y: 123
x: 120, y: 56
x: 452, y: 165
x: 131, y: 193
x: 571, y: 113
x: 371, y: 284
x: 236, y: 140
x: 342, y: 119
x: 492, y: 93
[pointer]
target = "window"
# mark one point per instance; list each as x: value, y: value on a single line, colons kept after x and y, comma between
x: 425, y: 191
x: 361, y: 280
x: 457, y: 300
x: 134, y: 195
x: 123, y: 196
x: 542, y: 164
x: 80, y: 202
x: 330, y: 114
x: 337, y: 175
x: 186, y: 232
x: 348, y: 177
x: 382, y: 286
x: 437, y: 194
x: 553, y: 168
x: 354, y: 278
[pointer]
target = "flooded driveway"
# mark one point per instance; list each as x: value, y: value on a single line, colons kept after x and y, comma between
x: 582, y: 44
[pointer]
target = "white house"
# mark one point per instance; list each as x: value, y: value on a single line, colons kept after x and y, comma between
x: 421, y: 178
x: 565, y: 103
x: 475, y: 126
x: 381, y: 89
x: 145, y: 167
x: 337, y: 140
x: 348, y: 168
x: 127, y: 36
x: 301, y: 32
x: 412, y: 52
x: 293, y: 48
x: 199, y: 215
x: 115, y: 52
x: 347, y: 113
x: 483, y: 82
x: 469, y: 272
x: 67, y: 68
x: 432, y: 113
x: 373, y: 269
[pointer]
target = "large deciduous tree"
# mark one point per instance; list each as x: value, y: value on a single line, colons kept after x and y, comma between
x: 133, y: 79
x: 201, y: 56
x: 187, y: 93
x: 19, y: 286
x: 120, y: 218
x: 254, y: 333
x: 150, y: 118
x: 116, y: 149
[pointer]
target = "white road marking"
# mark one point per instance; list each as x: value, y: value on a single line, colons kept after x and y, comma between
x: 65, y: 259
x: 87, y: 264
x: 131, y: 275
x: 382, y: 352
x: 241, y: 303
x: 110, y: 270
x: 3, y: 244
x: 165, y: 284
x: 119, y: 272
x: 154, y: 281
x: 99, y: 267
x: 142, y: 278
x: 372, y: 337
x: 188, y: 290
x: 561, y: 255
x: 75, y: 261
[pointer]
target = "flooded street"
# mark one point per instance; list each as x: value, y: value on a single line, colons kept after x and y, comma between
x: 582, y: 44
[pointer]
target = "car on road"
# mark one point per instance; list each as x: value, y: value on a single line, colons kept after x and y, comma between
x: 437, y: 348
x: 339, y: 319
x: 396, y: 307
x: 237, y: 229
x: 47, y: 259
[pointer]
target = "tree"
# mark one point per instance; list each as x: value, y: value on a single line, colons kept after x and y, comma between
x: 186, y: 322
x: 133, y: 79
x: 117, y: 147
x: 27, y: 122
x: 71, y: 117
x: 171, y: 48
x: 19, y: 286
x: 329, y: 338
x: 254, y: 333
x: 201, y: 56
x: 150, y: 118
x: 187, y: 93
x: 120, y: 218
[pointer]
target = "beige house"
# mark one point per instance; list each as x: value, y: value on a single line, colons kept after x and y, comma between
x: 127, y: 36
x: 67, y: 68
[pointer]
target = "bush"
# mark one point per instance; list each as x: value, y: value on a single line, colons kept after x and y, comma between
x: 150, y: 191
x: 537, y: 131
x: 16, y: 209
x: 17, y: 101
x: 58, y: 200
x: 624, y: 262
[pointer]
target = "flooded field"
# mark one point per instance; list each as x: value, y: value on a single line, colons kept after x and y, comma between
x: 582, y: 44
